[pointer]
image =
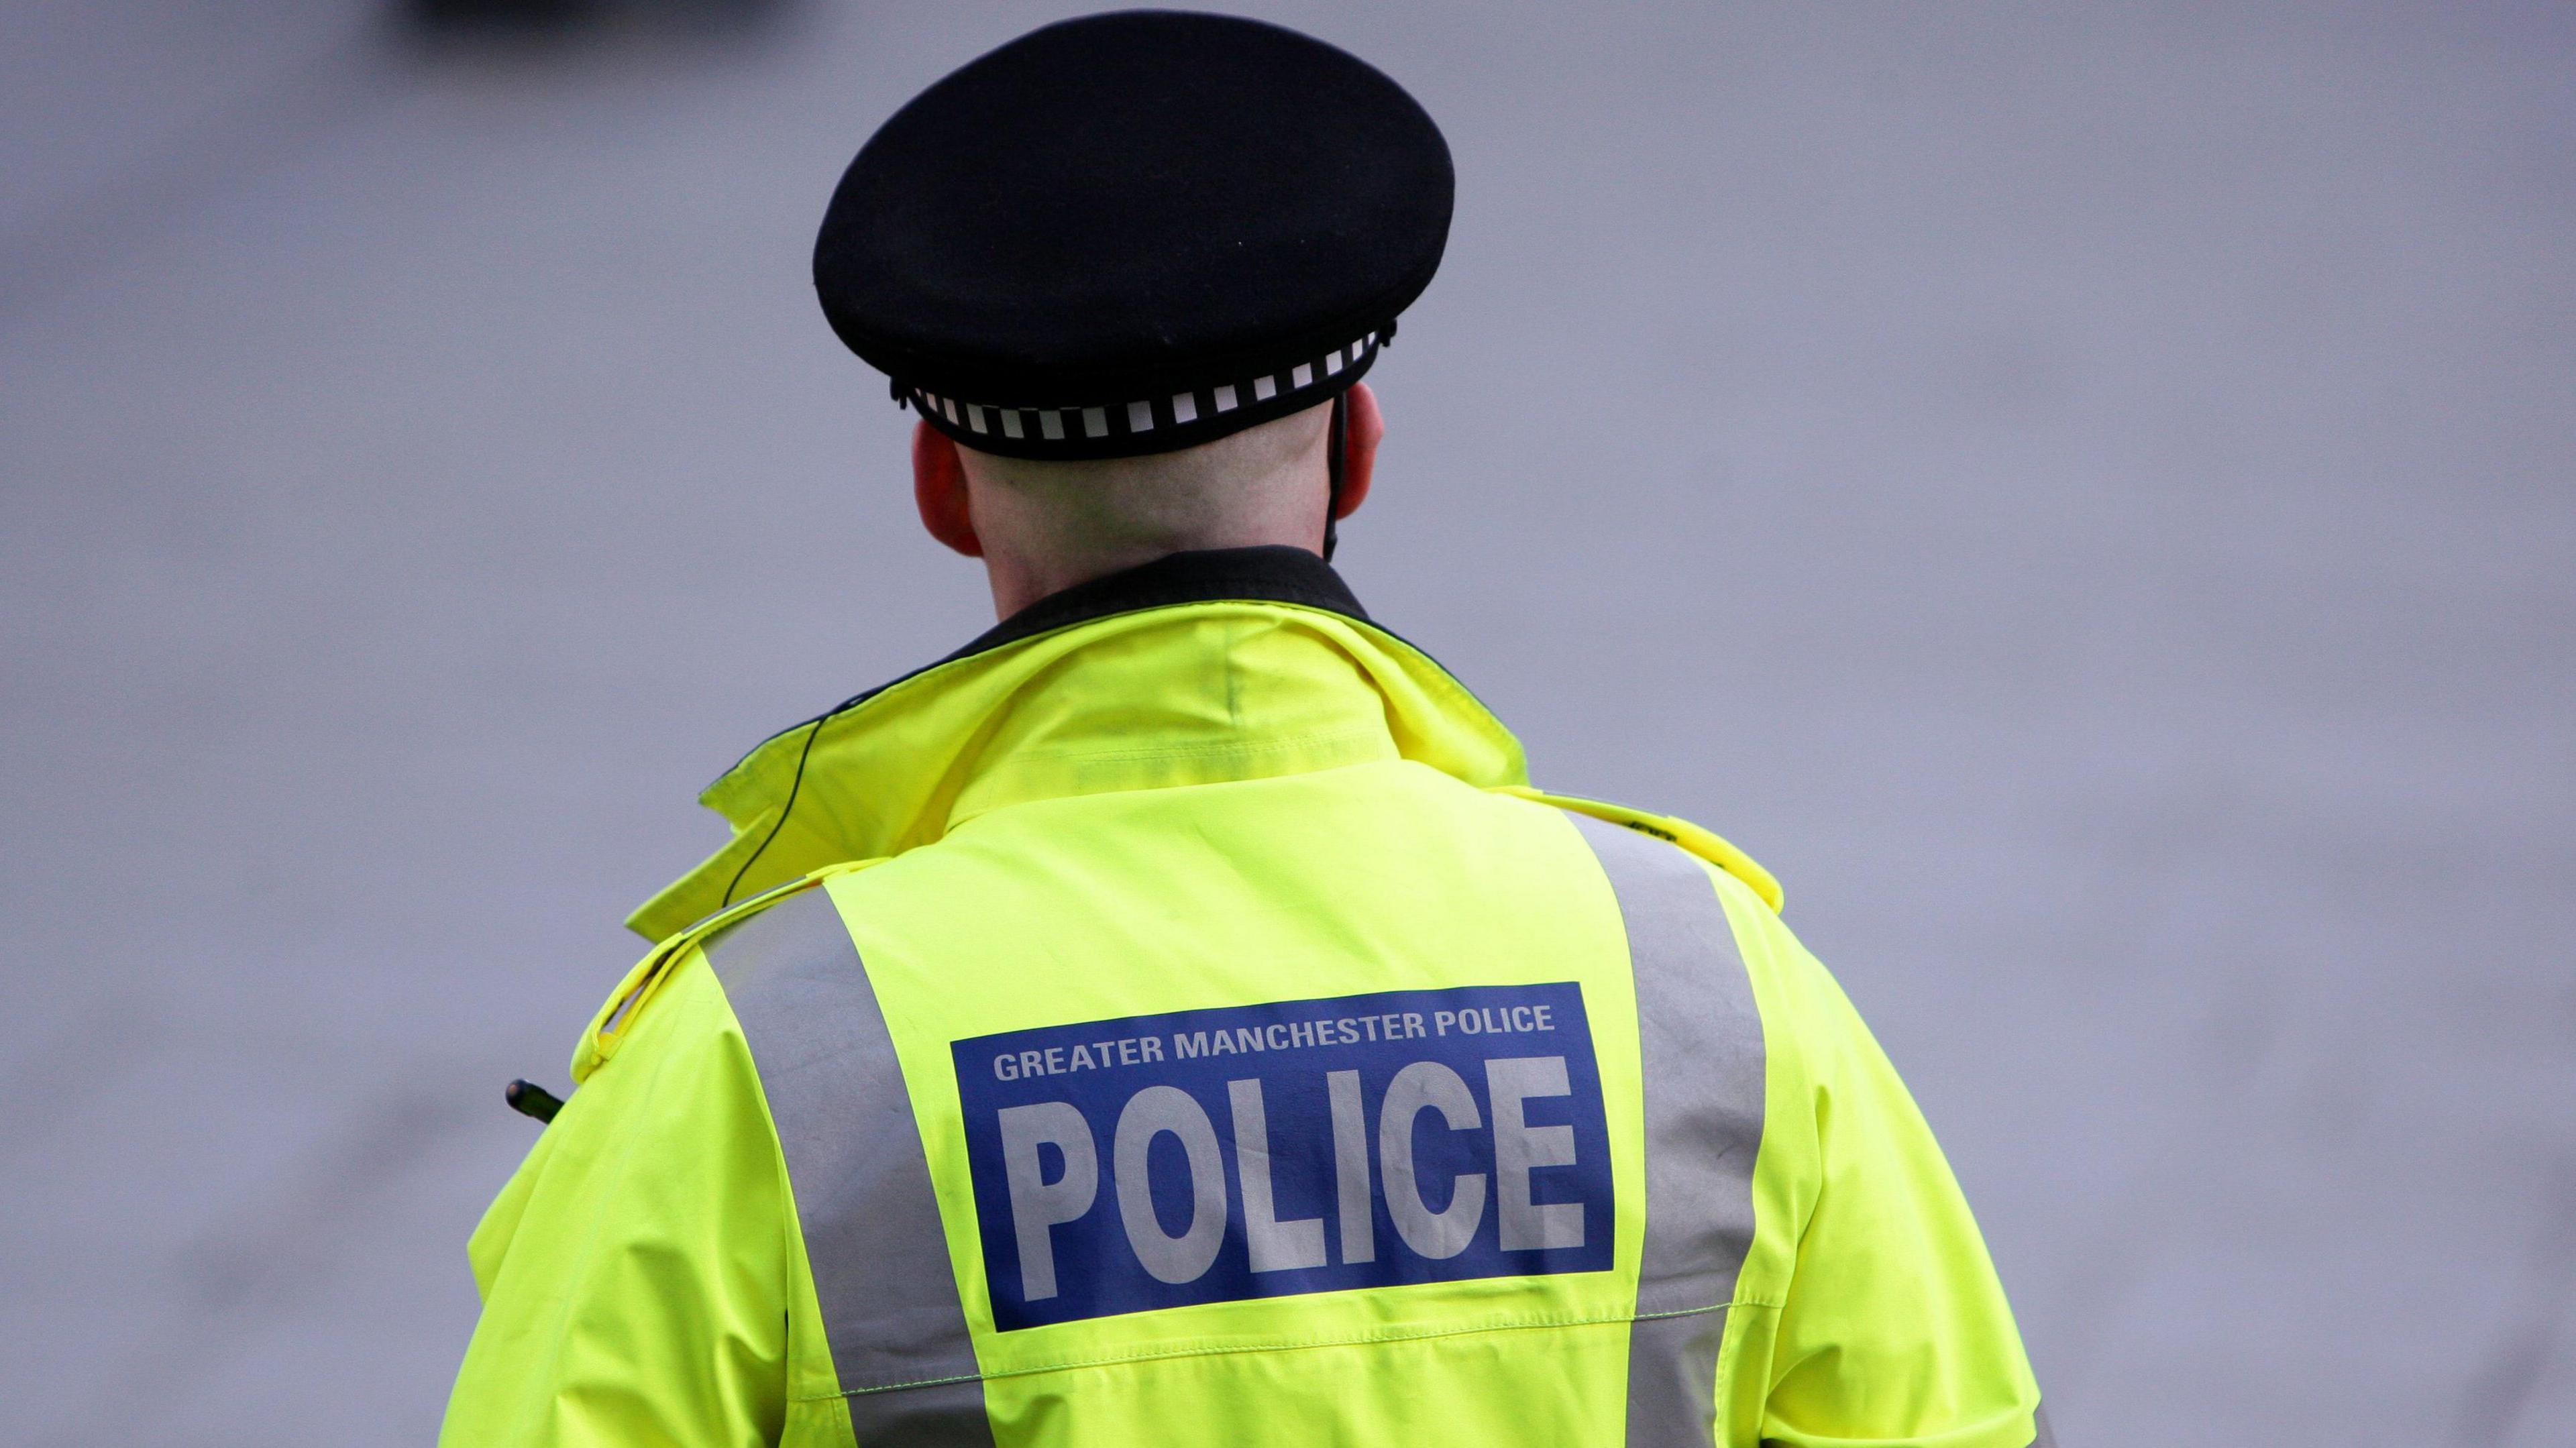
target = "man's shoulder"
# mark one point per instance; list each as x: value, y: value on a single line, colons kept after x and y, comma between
x: 676, y: 996
x: 1672, y: 830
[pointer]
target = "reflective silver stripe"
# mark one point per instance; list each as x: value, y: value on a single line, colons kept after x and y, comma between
x: 1672, y: 1377
x: 1700, y: 1035
x: 898, y: 1335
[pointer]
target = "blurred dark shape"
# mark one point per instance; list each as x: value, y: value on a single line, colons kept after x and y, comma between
x: 439, y: 14
x: 530, y: 1099
x: 568, y: 24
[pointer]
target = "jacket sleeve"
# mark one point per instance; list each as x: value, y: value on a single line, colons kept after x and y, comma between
x: 1893, y: 1327
x: 636, y: 1271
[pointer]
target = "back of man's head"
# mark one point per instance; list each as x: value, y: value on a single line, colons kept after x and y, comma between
x: 1262, y: 485
x: 1045, y: 525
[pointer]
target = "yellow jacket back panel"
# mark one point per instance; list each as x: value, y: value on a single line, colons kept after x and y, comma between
x: 1183, y: 1024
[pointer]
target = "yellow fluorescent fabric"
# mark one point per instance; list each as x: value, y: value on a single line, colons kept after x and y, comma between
x: 1870, y: 1312
x: 641, y: 1274
x: 1226, y: 688
x: 1207, y: 806
x: 1701, y: 842
x: 1193, y: 899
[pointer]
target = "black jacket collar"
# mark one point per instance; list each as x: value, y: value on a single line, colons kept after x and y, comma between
x: 1271, y: 573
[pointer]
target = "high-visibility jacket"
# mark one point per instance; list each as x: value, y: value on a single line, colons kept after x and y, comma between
x: 1174, y: 1019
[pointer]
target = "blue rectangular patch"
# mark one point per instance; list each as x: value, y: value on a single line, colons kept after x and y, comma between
x: 1299, y: 1146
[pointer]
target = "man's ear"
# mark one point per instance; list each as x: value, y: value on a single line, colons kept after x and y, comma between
x: 939, y: 490
x: 1362, y: 428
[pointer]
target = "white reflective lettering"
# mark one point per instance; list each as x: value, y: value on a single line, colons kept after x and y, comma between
x: 1352, y: 1200
x: 1445, y: 1233
x: 1038, y: 1205
x: 1274, y: 1245
x: 1519, y: 1147
x: 1149, y: 1113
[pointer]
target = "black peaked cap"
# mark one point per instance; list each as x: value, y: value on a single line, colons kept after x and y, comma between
x: 1135, y: 232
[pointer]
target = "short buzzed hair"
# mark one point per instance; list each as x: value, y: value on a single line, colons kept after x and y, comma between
x: 1246, y: 486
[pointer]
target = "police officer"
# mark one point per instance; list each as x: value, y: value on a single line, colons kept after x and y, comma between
x: 1174, y: 1017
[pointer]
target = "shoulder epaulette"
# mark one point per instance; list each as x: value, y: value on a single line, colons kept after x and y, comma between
x: 616, y: 1018
x: 1706, y: 844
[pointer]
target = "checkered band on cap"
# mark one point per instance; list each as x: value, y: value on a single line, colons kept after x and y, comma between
x: 1163, y: 421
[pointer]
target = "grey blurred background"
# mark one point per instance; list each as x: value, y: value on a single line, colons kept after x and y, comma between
x: 2082, y: 493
